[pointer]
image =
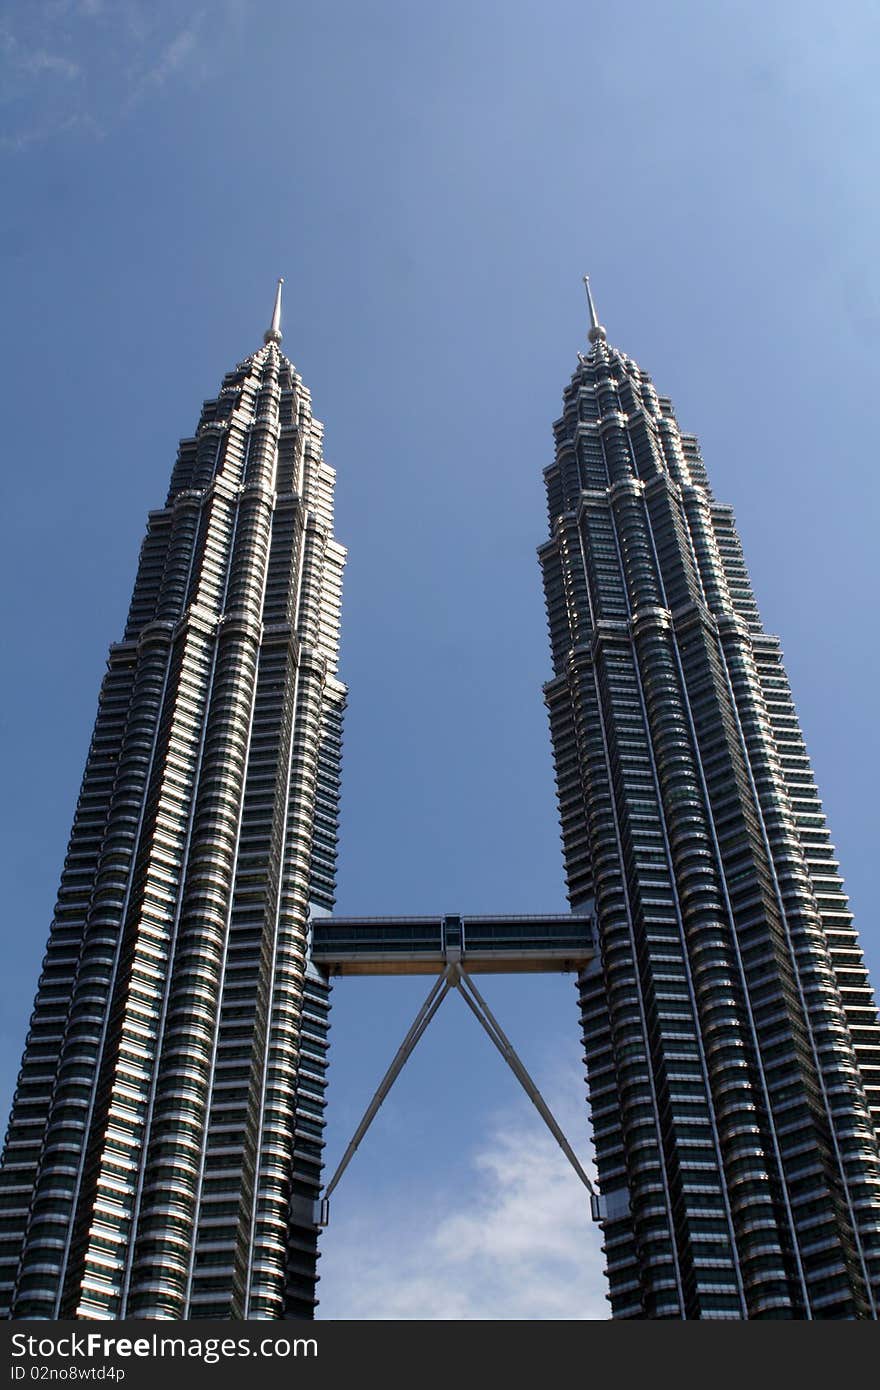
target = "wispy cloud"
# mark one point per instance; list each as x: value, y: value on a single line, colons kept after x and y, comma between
x: 85, y: 65
x: 40, y: 62
x: 18, y: 58
x: 21, y: 139
x: 180, y: 53
x: 517, y: 1244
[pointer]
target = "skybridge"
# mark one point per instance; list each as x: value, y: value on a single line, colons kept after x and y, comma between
x: 425, y: 945
x: 453, y: 949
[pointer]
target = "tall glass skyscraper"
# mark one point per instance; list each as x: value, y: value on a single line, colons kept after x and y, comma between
x: 732, y: 1039
x: 164, y: 1150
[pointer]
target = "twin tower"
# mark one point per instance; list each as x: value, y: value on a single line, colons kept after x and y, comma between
x: 164, y: 1154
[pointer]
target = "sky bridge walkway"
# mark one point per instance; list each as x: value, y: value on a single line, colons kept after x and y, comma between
x: 426, y: 945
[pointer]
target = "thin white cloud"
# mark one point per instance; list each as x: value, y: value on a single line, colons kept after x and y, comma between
x: 85, y: 65
x: 34, y: 62
x: 177, y: 54
x: 82, y: 123
x: 39, y: 62
x: 516, y: 1243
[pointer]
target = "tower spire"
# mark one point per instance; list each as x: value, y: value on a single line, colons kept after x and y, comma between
x: 273, y: 333
x: 597, y: 332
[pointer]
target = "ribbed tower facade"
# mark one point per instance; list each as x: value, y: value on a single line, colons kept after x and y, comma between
x: 164, y: 1150
x: 731, y: 1036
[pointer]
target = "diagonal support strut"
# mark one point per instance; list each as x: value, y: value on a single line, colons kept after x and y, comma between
x: 438, y: 993
x: 481, y: 1011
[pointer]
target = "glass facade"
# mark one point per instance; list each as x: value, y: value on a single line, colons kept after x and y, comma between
x: 164, y: 1150
x: 732, y: 1039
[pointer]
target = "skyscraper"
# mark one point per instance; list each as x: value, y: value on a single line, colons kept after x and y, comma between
x: 731, y: 1035
x: 164, y: 1150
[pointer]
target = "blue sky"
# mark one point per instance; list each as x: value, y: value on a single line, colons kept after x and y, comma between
x: 432, y: 181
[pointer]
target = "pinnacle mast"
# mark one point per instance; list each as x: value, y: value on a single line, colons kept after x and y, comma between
x: 273, y: 333
x: 597, y: 332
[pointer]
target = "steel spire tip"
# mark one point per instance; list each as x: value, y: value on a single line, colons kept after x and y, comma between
x: 597, y: 332
x: 273, y: 333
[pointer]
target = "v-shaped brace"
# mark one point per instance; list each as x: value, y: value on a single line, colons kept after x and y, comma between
x: 453, y: 977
